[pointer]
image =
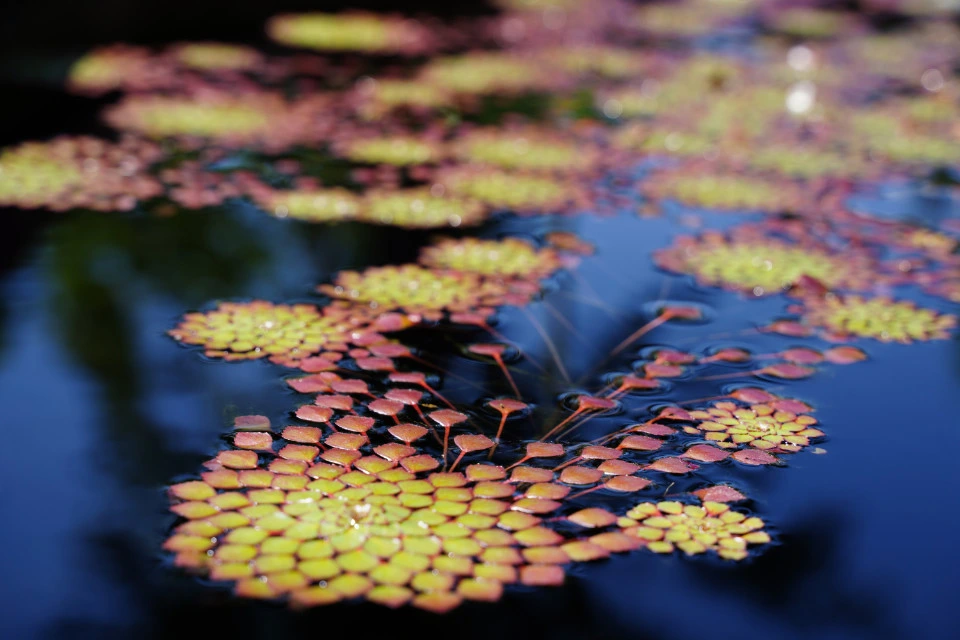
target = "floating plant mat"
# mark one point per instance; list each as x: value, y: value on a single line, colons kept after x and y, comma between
x: 457, y: 328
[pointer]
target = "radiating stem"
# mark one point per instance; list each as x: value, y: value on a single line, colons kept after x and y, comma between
x: 636, y: 335
x: 563, y: 423
x: 550, y: 345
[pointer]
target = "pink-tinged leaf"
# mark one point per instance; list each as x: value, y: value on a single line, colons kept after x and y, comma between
x: 375, y: 364
x: 338, y: 402
x: 845, y: 355
x: 802, y: 355
x: 594, y: 452
x: 788, y: 371
x: 754, y: 457
x: 580, y: 475
x: 251, y: 423
x: 304, y: 435
x: 391, y: 322
x: 409, y: 397
x: 671, y: 464
x: 592, y: 518
x: 394, y: 451
x: 408, y: 377
x: 507, y: 405
x: 656, y: 370
x: 544, y: 450
x: 615, y: 542
x: 618, y: 468
x: 237, y: 459
x: 316, y: 383
x: 681, y: 312
x: 386, y: 407
x: 408, y: 432
x: 654, y: 429
x: 592, y: 403
x: 705, y: 453
x: 253, y: 440
x: 790, y: 328
x: 418, y: 464
x: 730, y: 355
x: 485, y: 472
x: 390, y: 350
x: 357, y: 424
x: 530, y: 474
x: 790, y: 406
x: 674, y: 413
x: 808, y: 287
x: 626, y: 484
x: 671, y: 356
x: 222, y: 479
x: 317, y: 364
x: 470, y: 443
x: 302, y: 452
x: 538, y: 506
x: 491, y: 350
x: 631, y: 382
x: 447, y: 418
x: 350, y: 385
x: 342, y: 457
x: 752, y: 396
x: 348, y: 441
x: 719, y: 493
x: 313, y: 413
x: 541, y: 575
x: 640, y: 443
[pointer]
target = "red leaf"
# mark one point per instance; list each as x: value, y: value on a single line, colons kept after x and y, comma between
x: 752, y: 395
x: 705, y: 453
x: 754, y: 457
x: 671, y: 465
x: 788, y: 371
x: 845, y: 355
x: 719, y: 493
x: 790, y: 328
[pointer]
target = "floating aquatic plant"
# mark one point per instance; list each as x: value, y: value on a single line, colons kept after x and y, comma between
x: 507, y: 258
x: 663, y: 141
x: 284, y: 333
x: 805, y: 22
x: 388, y: 487
x: 423, y: 292
x: 259, y: 120
x: 217, y: 56
x: 880, y: 318
x: 356, y: 31
x: 530, y: 150
x: 804, y: 162
x: 311, y: 205
x: 723, y: 191
x: 420, y: 208
x: 521, y: 193
x: 777, y: 427
x: 694, y: 529
x: 487, y: 73
x: 110, y: 68
x: 605, y: 61
x: 392, y: 150
x: 762, y: 265
x: 382, y: 526
x: 78, y: 172
x: 382, y: 96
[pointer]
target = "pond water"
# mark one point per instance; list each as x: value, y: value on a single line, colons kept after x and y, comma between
x: 105, y: 411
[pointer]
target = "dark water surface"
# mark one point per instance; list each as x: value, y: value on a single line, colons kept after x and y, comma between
x: 102, y: 410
